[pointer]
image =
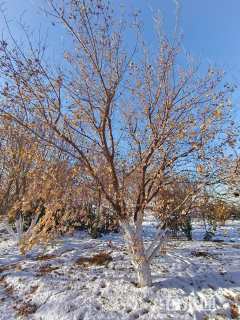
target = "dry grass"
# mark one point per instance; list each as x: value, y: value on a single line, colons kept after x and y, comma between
x: 99, y: 259
x: 202, y: 254
x: 229, y: 296
x: 3, y: 268
x: 236, y: 246
x: 2, y: 279
x: 9, y: 290
x: 8, y: 267
x: 33, y: 289
x: 25, y: 309
x: 45, y: 269
x: 46, y: 257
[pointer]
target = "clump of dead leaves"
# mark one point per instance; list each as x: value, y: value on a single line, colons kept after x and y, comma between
x: 25, y: 309
x: 100, y: 259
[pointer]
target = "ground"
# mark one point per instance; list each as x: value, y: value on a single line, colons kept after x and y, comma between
x: 194, y: 280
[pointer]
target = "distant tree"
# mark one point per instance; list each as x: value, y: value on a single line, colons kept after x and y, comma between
x: 131, y: 119
x: 18, y: 155
x: 176, y: 204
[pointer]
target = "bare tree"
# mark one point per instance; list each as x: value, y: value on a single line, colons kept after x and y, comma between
x: 131, y: 118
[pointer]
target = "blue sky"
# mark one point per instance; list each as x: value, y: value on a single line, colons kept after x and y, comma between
x: 210, y: 27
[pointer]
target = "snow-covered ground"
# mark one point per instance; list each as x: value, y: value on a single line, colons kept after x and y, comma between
x: 195, y: 280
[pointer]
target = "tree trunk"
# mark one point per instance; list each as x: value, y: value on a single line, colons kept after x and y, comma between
x: 138, y: 258
x: 143, y: 270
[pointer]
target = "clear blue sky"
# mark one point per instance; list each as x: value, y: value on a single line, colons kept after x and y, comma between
x: 211, y: 28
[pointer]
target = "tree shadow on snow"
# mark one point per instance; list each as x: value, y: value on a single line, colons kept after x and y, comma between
x: 206, y: 280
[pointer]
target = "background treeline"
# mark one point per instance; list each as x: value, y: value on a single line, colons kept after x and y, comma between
x: 43, y: 194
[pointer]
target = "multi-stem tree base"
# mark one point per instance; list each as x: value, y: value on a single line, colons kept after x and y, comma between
x: 144, y: 276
